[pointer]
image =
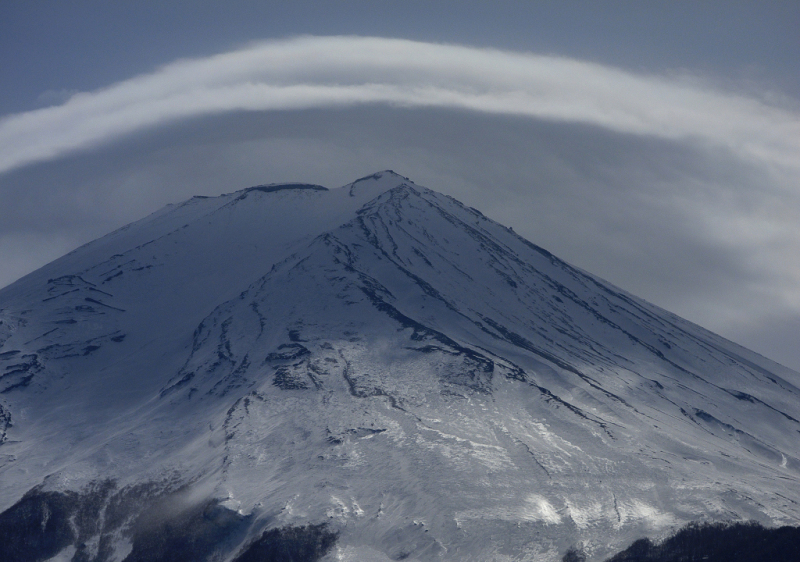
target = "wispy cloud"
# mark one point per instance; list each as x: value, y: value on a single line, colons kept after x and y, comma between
x: 313, y: 72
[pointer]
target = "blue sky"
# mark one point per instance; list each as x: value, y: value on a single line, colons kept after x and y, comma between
x: 656, y: 144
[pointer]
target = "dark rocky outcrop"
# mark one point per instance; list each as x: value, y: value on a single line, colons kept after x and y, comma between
x: 38, y: 526
x: 290, y: 544
x: 718, y: 542
x: 196, y: 533
x: 162, y: 525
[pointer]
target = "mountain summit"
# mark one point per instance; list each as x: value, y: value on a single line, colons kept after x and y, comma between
x: 374, y: 372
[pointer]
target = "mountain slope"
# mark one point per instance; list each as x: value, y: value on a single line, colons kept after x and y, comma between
x: 384, y: 360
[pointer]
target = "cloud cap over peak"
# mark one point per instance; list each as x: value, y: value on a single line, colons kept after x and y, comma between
x: 317, y: 72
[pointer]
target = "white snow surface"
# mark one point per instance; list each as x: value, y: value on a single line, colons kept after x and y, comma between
x: 383, y: 359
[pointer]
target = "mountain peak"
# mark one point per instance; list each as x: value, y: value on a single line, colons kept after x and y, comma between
x: 378, y: 365
x: 376, y: 183
x: 385, y: 174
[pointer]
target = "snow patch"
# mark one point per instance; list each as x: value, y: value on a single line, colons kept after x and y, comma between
x: 636, y: 511
x: 537, y: 508
x: 359, y: 554
x: 585, y: 514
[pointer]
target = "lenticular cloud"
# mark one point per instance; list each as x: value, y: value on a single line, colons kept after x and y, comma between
x: 319, y: 72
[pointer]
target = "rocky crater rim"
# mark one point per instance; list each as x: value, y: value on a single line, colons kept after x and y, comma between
x: 299, y: 186
x: 273, y: 187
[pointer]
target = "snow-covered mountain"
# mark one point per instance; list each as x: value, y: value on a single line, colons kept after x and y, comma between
x: 374, y: 372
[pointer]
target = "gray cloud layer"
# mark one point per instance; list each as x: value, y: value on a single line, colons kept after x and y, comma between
x: 678, y: 192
